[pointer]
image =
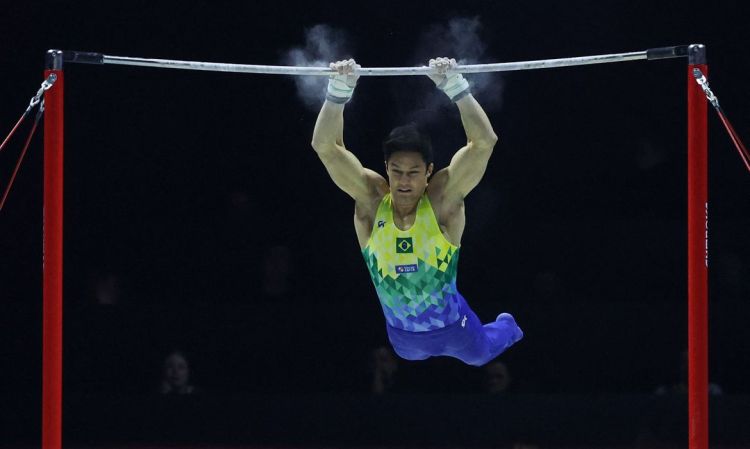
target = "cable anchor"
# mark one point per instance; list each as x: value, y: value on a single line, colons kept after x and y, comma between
x: 700, y: 78
x: 46, y: 84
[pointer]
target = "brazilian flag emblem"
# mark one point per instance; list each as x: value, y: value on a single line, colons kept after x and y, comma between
x: 404, y: 245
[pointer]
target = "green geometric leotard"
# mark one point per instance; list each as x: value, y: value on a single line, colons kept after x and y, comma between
x: 414, y: 271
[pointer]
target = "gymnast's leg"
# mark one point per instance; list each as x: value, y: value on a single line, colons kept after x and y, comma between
x: 466, y: 339
x: 476, y: 344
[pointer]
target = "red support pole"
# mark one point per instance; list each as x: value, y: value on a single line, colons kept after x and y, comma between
x: 697, y: 254
x: 52, y: 259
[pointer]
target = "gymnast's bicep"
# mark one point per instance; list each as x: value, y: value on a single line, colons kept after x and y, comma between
x: 349, y: 175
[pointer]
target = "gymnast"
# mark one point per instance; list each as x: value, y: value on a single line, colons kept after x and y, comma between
x: 409, y: 227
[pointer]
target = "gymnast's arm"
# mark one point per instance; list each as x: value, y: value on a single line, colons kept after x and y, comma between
x: 470, y: 162
x: 344, y: 168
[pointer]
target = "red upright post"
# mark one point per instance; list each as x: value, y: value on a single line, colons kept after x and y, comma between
x: 52, y: 259
x: 697, y: 253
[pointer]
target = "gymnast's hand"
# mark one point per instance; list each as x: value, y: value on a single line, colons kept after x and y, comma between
x: 341, y: 86
x: 453, y: 84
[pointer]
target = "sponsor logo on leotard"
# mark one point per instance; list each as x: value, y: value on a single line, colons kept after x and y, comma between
x: 400, y: 269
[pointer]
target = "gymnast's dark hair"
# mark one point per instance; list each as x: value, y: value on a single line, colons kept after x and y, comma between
x: 408, y: 138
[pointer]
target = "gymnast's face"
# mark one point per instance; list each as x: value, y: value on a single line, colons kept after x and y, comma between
x: 407, y: 175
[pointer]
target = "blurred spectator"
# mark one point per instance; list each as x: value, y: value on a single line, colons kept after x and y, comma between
x: 524, y: 445
x: 277, y: 271
x: 383, y: 368
x: 731, y: 276
x: 176, y: 375
x: 649, y: 156
x: 680, y: 388
x: 547, y: 286
x: 106, y: 289
x: 497, y: 379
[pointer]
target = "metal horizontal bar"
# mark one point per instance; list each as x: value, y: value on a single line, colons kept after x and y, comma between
x: 372, y: 71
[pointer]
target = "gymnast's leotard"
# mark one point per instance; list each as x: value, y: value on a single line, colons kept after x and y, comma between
x: 414, y: 273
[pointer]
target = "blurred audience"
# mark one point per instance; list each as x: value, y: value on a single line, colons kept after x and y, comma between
x: 383, y: 369
x: 548, y: 286
x: 524, y: 445
x: 106, y: 289
x: 649, y: 155
x: 680, y: 388
x: 277, y: 272
x: 497, y: 379
x: 175, y: 378
x: 731, y: 277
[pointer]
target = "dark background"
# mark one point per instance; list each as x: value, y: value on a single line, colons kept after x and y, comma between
x: 196, y: 193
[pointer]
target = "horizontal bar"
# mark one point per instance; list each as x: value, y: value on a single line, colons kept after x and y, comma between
x: 83, y: 57
x: 98, y: 58
x: 373, y: 71
x: 679, y: 51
